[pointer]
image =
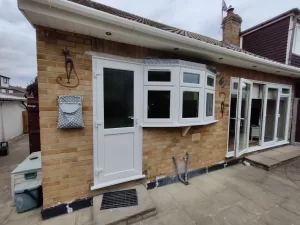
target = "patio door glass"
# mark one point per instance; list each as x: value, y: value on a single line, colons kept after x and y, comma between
x: 270, y: 122
x: 243, y: 117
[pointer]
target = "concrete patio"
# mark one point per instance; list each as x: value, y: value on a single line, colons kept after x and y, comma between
x: 233, y: 196
x: 273, y: 158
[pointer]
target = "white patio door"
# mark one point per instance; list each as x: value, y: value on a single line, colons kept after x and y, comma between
x: 117, y: 132
x: 243, y: 117
x: 270, y: 114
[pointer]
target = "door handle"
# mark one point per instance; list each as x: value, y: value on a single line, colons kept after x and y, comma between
x: 135, y: 120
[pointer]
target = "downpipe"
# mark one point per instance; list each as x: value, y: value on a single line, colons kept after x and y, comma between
x: 186, y: 159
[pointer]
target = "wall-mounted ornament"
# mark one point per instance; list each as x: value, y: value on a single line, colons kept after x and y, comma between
x: 70, y: 112
x: 69, y: 66
x: 223, y: 102
x: 222, y: 82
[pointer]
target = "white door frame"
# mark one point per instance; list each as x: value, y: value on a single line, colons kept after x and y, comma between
x: 98, y: 119
x: 238, y: 121
x: 267, y: 86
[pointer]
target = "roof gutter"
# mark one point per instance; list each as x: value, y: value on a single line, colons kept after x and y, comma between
x: 135, y: 26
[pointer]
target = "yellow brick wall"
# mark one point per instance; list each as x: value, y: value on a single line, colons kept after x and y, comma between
x: 67, y: 155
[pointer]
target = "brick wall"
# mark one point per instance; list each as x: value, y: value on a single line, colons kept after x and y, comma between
x: 67, y: 155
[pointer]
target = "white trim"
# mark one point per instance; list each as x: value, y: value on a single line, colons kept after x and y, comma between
x: 214, y: 82
x: 172, y: 104
x: 258, y: 148
x: 172, y: 70
x: 267, y: 24
x: 239, y: 152
x: 289, y: 39
x: 213, y: 92
x: 179, y: 125
x: 294, y: 122
x: 199, y: 118
x: 90, y: 17
x: 295, y: 43
x: 201, y: 74
x: 241, y: 42
x: 107, y: 184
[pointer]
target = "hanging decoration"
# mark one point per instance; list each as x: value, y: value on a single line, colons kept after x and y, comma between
x: 223, y: 103
x: 222, y: 82
x: 69, y: 66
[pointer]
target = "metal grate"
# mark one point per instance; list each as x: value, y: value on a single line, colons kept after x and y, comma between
x: 118, y: 199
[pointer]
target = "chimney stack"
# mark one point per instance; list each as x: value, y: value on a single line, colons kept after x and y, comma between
x: 231, y: 25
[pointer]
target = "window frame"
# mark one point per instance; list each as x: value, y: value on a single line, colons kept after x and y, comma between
x: 158, y: 120
x: 214, y: 78
x: 172, y: 71
x: 209, y: 118
x: 295, y: 43
x: 5, y: 80
x: 200, y: 102
x: 194, y: 71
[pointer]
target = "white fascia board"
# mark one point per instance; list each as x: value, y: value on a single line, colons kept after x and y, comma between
x: 181, y: 41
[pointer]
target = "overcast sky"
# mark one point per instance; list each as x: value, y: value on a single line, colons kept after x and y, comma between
x: 17, y: 37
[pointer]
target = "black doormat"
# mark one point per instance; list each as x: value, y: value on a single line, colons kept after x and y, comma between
x: 118, y: 199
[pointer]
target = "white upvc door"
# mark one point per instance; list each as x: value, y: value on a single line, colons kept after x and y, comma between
x: 243, y: 117
x: 117, y: 100
x: 270, y: 114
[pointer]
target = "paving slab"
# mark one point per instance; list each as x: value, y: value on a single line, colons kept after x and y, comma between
x: 248, y: 190
x: 178, y: 217
x: 276, y: 187
x: 251, y: 207
x: 236, y: 215
x: 203, y: 209
x: 125, y: 214
x: 84, y: 216
x: 186, y: 195
x: 208, y: 185
x: 68, y: 219
x: 264, y: 161
x: 291, y: 205
x: 164, y: 202
x: 280, y: 216
x: 276, y: 155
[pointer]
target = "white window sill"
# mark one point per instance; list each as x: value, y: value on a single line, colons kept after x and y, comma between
x: 179, y: 124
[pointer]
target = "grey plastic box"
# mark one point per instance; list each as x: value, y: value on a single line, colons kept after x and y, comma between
x: 28, y: 195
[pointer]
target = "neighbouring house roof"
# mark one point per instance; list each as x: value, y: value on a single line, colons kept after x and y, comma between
x: 5, y: 97
x: 17, y: 88
x: 294, y: 11
x: 4, y: 76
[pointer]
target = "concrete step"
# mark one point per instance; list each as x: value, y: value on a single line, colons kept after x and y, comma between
x: 125, y: 215
x: 273, y: 158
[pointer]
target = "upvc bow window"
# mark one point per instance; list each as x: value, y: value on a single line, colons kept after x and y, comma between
x: 176, y: 95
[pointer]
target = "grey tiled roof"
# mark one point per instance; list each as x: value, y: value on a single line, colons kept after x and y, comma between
x: 192, y: 35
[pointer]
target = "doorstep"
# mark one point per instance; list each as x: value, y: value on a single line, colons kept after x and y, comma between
x: 125, y: 215
x: 273, y: 158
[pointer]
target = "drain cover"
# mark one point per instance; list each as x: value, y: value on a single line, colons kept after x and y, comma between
x: 118, y: 199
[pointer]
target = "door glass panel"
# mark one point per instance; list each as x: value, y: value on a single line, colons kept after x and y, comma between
x: 159, y: 104
x: 245, y: 102
x: 232, y: 135
x: 118, y: 98
x: 209, y: 104
x: 190, y: 104
x: 270, y: 114
x: 159, y: 76
x: 281, y: 128
x: 192, y: 78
